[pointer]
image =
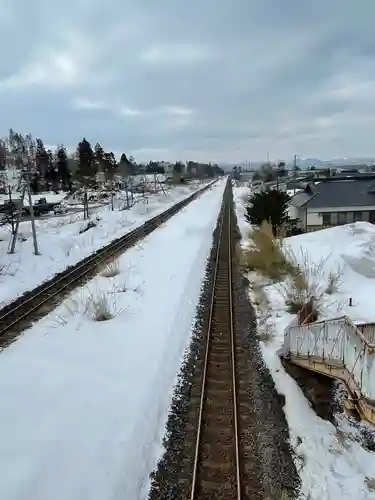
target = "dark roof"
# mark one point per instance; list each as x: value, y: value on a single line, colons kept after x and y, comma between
x: 343, y: 193
x: 300, y: 199
x: 350, y: 175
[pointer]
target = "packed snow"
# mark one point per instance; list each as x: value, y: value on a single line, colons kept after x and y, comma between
x: 62, y: 244
x: 331, y: 461
x: 84, y: 403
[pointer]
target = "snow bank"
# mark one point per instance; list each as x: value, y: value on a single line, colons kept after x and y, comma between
x: 61, y: 244
x: 83, y: 404
x: 331, y: 462
x: 240, y: 196
x: 351, y: 250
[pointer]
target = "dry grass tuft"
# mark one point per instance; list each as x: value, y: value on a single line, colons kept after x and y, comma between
x: 301, y: 280
x: 111, y: 269
x: 334, y: 281
x: 370, y: 483
x: 309, y: 284
x: 99, y: 306
x: 267, y: 255
x: 285, y: 495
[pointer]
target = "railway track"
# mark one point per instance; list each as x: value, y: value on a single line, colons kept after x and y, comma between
x: 214, y: 408
x: 226, y: 433
x: 21, y: 313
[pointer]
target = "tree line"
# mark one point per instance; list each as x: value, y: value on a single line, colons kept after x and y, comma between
x: 53, y: 170
x: 270, y: 172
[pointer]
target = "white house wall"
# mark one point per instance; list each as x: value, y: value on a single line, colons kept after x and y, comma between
x: 342, y: 209
x: 314, y: 219
x: 293, y: 212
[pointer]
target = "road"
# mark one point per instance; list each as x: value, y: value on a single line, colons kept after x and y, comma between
x: 72, y: 210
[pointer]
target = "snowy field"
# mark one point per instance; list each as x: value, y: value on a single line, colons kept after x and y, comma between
x: 332, y: 463
x: 61, y: 244
x: 84, y: 403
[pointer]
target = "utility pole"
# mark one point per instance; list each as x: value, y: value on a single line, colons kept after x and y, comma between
x: 127, y: 194
x: 25, y: 178
x: 10, y: 204
x: 33, y: 229
x: 155, y: 183
x: 294, y: 174
x: 85, y: 205
x: 19, y: 213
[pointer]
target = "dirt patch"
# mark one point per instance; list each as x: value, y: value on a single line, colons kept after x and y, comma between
x: 318, y: 390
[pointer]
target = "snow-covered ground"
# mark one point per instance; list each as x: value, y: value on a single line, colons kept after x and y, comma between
x: 332, y: 463
x: 62, y: 245
x: 84, y: 403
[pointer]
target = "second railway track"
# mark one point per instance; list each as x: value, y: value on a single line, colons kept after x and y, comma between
x: 21, y: 313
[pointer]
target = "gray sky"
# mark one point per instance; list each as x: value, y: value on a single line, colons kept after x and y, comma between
x: 220, y: 80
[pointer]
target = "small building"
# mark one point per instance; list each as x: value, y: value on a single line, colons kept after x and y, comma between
x: 334, y: 202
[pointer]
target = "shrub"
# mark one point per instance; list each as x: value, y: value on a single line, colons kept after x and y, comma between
x: 267, y: 255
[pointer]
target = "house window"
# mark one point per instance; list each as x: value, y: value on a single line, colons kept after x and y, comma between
x: 326, y: 218
x: 341, y: 218
x: 357, y: 216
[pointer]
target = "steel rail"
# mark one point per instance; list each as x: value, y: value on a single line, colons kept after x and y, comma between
x: 193, y: 492
x: 233, y: 358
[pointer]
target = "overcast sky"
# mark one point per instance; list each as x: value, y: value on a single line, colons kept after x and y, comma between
x: 220, y: 80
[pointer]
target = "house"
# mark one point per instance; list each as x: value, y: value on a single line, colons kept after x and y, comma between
x: 335, y: 201
x: 168, y: 167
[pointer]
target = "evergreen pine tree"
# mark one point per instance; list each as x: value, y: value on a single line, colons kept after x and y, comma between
x: 86, y: 161
x: 61, y: 160
x: 271, y: 206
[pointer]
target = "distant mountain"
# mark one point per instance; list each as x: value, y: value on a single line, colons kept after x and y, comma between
x: 304, y: 163
x: 334, y: 162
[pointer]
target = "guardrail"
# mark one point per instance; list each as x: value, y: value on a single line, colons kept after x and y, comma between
x: 368, y: 331
x: 338, y: 348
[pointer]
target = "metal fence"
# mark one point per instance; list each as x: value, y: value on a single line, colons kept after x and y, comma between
x: 340, y: 343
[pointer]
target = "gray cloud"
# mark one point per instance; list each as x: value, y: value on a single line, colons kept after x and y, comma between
x: 215, y: 80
